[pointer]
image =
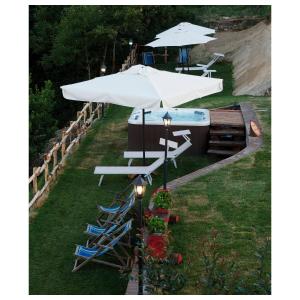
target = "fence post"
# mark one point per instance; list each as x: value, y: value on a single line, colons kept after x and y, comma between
x: 46, y: 168
x: 84, y: 116
x: 63, y: 145
x: 34, y: 183
x: 55, y: 156
x: 98, y: 111
x: 91, y: 108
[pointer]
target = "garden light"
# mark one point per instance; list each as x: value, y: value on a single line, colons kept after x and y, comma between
x: 167, y: 119
x: 139, y: 187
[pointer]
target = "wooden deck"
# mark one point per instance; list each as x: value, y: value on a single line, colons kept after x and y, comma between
x: 226, y: 118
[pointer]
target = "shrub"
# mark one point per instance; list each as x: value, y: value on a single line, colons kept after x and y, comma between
x: 163, y: 199
x: 222, y: 275
x: 157, y: 225
x: 162, y: 277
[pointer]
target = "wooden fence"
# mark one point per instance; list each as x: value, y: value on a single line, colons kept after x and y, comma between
x: 43, y: 176
x: 131, y: 58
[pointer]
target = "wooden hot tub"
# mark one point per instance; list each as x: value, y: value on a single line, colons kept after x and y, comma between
x: 195, y: 119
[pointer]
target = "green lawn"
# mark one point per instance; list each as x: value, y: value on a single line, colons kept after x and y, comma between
x: 240, y: 200
x: 235, y: 201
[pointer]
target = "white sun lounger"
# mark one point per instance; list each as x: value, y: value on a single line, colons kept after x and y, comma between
x: 139, y: 170
x: 205, y: 71
x: 201, y: 67
x: 216, y: 57
x: 157, y: 154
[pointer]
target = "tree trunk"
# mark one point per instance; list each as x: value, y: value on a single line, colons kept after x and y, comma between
x: 88, y: 66
x: 114, y: 57
x: 104, y: 53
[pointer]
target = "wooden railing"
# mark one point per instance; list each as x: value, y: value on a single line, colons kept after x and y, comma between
x: 131, y: 58
x: 43, y: 176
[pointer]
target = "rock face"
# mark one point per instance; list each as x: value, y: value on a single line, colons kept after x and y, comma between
x: 250, y: 53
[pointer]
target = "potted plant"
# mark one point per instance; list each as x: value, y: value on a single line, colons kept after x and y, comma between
x: 162, y: 201
x: 157, y: 225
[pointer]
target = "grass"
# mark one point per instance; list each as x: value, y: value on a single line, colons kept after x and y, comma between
x: 236, y: 201
x: 60, y: 223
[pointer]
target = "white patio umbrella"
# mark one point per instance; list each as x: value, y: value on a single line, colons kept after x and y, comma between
x: 144, y: 88
x: 186, y: 27
x: 179, y: 39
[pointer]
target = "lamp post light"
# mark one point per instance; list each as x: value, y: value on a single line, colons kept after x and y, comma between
x: 102, y: 69
x: 130, y: 43
x: 167, y: 122
x: 102, y: 73
x: 139, y: 189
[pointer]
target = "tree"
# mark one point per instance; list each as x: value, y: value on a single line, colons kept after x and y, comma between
x: 42, y: 124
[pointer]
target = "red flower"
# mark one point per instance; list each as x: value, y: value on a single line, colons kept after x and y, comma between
x: 157, y: 246
x: 177, y: 258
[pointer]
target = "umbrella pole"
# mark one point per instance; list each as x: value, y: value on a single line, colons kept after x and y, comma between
x: 143, y: 138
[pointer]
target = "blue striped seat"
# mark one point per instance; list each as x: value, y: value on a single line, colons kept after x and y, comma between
x: 97, y: 230
x: 100, y: 249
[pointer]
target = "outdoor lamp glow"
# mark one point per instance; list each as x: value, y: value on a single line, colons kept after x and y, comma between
x: 130, y: 42
x: 103, y: 68
x: 139, y: 187
x: 167, y: 119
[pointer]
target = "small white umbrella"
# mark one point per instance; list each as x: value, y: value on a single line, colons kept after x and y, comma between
x: 179, y: 39
x: 186, y: 27
x: 143, y: 87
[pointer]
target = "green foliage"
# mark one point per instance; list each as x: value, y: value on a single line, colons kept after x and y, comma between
x: 163, y: 199
x: 157, y: 225
x: 222, y: 275
x: 42, y: 124
x: 162, y: 277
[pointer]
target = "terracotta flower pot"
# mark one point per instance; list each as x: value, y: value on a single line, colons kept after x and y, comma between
x: 161, y: 211
x: 173, y: 219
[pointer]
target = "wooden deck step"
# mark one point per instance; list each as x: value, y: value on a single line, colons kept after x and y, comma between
x: 238, y: 132
x: 227, y: 143
x: 221, y: 152
x: 229, y: 118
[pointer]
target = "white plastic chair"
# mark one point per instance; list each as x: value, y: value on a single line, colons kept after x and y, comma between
x: 157, y: 154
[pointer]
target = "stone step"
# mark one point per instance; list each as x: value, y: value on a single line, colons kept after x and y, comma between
x: 227, y: 143
x: 229, y: 131
x: 222, y: 152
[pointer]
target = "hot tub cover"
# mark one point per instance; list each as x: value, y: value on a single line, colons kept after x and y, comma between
x: 143, y: 87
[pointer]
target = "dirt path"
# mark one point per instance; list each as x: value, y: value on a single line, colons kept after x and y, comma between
x: 250, y: 53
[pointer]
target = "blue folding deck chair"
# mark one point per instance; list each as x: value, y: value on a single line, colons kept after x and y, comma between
x: 114, y: 219
x: 116, y: 212
x: 105, y: 246
x: 148, y: 58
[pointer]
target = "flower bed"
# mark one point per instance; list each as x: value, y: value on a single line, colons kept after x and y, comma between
x: 161, y: 276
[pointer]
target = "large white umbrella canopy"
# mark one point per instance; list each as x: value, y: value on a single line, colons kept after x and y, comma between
x: 180, y: 39
x: 186, y: 27
x: 143, y: 87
